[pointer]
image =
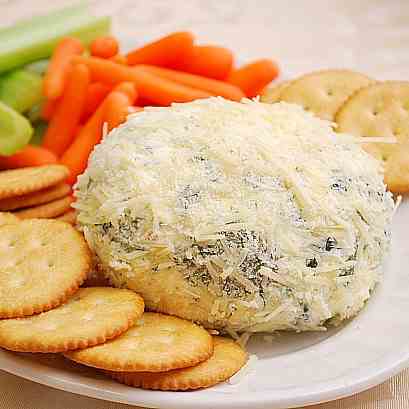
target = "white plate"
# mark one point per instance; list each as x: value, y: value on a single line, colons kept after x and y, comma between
x: 292, y: 370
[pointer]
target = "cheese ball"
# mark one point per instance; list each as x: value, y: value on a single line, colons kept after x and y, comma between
x: 244, y: 217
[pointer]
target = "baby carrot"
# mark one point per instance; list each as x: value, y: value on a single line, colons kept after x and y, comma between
x: 48, y: 108
x: 143, y: 102
x: 116, y: 110
x: 127, y: 88
x: 164, y: 92
x: 104, y: 47
x: 78, y: 129
x: 117, y: 107
x: 76, y: 156
x: 119, y: 59
x: 57, y: 71
x: 165, y: 52
x: 96, y: 93
x: 252, y: 78
x: 29, y: 156
x: 210, y: 61
x: 151, y: 87
x: 60, y: 131
x: 214, y: 87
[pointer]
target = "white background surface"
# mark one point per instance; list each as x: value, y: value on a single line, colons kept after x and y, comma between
x: 371, y: 36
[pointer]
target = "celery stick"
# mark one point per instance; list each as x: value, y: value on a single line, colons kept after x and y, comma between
x: 35, y: 39
x: 38, y: 67
x: 93, y: 28
x: 21, y: 89
x: 15, y: 130
x: 79, y: 9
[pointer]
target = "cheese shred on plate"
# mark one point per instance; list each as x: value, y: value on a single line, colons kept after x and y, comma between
x: 245, y: 217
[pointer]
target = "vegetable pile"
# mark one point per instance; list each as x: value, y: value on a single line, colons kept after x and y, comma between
x: 63, y: 79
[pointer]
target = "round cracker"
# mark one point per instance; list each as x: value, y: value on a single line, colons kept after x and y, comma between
x: 397, y: 171
x: 48, y: 210
x: 8, y: 218
x: 382, y: 109
x: 272, y: 94
x: 324, y: 92
x: 18, y: 182
x: 35, y: 198
x: 90, y: 317
x: 42, y: 262
x: 157, y: 343
x: 227, y: 359
x: 69, y: 217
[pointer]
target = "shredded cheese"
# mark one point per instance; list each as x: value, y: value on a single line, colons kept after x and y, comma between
x: 376, y: 139
x: 245, y: 216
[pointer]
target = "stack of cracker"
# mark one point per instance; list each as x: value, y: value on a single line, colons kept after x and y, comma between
x: 360, y: 106
x: 101, y: 327
x: 37, y: 192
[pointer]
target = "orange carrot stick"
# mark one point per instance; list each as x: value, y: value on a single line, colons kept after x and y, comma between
x: 61, y: 129
x: 57, y: 72
x: 48, y: 109
x: 76, y: 156
x: 127, y: 88
x: 165, y: 52
x: 28, y: 156
x: 209, y: 61
x: 156, y: 89
x: 116, y: 110
x: 104, y: 47
x: 143, y: 102
x: 119, y: 59
x: 212, y: 86
x: 78, y: 129
x: 96, y: 93
x: 252, y: 78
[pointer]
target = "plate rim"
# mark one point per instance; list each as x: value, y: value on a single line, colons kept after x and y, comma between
x: 395, y: 362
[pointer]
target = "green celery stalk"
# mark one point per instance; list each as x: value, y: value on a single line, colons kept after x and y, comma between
x: 78, y: 9
x: 94, y: 27
x: 15, y: 130
x: 38, y: 67
x: 21, y: 89
x: 35, y: 39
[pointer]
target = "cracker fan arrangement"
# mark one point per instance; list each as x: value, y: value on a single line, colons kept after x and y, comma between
x: 36, y: 192
x: 360, y: 106
x: 95, y: 325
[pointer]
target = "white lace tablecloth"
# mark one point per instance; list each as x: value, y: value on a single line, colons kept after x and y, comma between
x: 371, y: 36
